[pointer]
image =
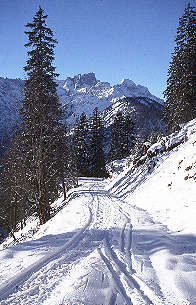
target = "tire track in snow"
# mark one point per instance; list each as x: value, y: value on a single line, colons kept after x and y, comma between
x: 9, y: 287
x: 126, y: 236
x: 122, y: 280
x: 122, y: 239
x: 110, y: 258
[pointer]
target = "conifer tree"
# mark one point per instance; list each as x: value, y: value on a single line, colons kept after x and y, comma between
x: 122, y: 137
x: 80, y: 145
x: 41, y: 114
x: 38, y: 150
x: 180, y: 94
x: 96, y: 142
x: 128, y: 135
x: 115, y: 151
x: 65, y: 162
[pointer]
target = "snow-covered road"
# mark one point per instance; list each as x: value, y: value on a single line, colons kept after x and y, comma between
x: 98, y: 250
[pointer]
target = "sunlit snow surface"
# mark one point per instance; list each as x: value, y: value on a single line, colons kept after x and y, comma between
x: 128, y: 240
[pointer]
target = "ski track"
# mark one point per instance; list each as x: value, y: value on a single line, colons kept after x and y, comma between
x: 113, y: 246
x: 8, y: 288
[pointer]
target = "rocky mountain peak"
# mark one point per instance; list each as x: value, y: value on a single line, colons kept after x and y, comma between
x: 80, y: 81
x: 127, y: 82
x: 82, y: 93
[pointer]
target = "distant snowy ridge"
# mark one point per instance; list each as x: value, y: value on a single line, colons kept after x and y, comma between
x: 85, y: 92
x: 87, y: 83
x: 81, y: 93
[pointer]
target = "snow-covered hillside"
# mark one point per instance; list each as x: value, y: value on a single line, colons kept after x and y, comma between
x: 126, y: 240
x: 146, y: 113
x: 167, y: 177
x: 82, y: 93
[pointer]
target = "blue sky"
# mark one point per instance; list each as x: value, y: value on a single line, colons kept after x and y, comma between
x: 114, y: 38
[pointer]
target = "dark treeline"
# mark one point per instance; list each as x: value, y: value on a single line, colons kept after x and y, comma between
x: 180, y: 94
x: 89, y: 142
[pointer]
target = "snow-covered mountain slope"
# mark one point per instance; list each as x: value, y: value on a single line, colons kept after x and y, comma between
x: 128, y: 241
x: 82, y: 93
x: 85, y: 92
x: 145, y: 112
x: 11, y: 93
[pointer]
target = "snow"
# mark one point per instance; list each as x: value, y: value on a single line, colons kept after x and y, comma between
x: 130, y: 239
x: 173, y: 179
x: 155, y: 148
x: 81, y: 93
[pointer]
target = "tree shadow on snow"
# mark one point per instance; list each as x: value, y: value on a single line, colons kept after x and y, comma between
x: 144, y: 242
x: 71, y: 247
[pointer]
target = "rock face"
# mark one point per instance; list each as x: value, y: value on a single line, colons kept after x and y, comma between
x: 80, y: 81
x: 84, y: 92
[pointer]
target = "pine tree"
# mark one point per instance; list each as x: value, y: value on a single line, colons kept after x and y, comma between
x: 115, y: 146
x: 96, y: 142
x: 80, y: 145
x: 180, y: 94
x: 39, y: 149
x: 128, y: 135
x: 65, y: 162
x: 122, y: 137
x: 43, y: 134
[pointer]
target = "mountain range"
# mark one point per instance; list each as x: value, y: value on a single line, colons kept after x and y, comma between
x: 82, y: 93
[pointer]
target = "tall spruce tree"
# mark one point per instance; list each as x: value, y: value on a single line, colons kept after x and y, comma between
x: 80, y: 145
x: 35, y: 158
x: 180, y: 94
x: 43, y: 133
x: 96, y: 142
x: 122, y: 137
